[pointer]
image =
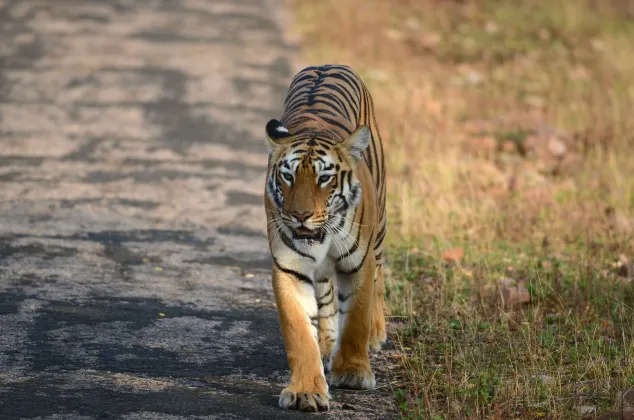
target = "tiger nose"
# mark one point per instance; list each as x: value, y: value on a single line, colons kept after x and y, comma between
x: 302, y: 217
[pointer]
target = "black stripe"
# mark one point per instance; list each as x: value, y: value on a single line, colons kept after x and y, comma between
x: 342, y: 221
x: 322, y: 304
x: 356, y: 241
x: 290, y: 272
x: 335, y: 122
x: 328, y: 315
x: 349, y: 82
x: 327, y: 100
x: 379, y: 237
x: 342, y: 105
x: 325, y: 294
x: 345, y: 95
x: 357, y: 268
x: 343, y: 298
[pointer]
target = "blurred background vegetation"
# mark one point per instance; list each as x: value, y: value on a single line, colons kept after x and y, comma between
x: 509, y: 133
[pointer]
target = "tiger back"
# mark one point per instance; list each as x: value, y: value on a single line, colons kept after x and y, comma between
x: 325, y: 208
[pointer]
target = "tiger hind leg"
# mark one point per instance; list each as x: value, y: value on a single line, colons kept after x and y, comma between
x: 378, y: 333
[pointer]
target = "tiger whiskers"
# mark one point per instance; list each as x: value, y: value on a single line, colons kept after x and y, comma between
x: 335, y: 239
x: 276, y: 228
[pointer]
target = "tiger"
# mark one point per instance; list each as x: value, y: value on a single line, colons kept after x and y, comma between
x: 326, y: 224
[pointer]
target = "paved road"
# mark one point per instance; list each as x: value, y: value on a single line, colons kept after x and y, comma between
x: 134, y: 270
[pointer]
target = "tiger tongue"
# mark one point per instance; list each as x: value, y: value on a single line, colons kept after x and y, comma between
x: 304, y: 231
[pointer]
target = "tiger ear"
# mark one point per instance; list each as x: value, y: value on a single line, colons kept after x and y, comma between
x: 277, y: 134
x: 358, y: 141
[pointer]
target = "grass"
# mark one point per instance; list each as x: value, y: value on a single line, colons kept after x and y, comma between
x: 509, y: 135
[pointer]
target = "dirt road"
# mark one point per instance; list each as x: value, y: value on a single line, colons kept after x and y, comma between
x: 134, y: 270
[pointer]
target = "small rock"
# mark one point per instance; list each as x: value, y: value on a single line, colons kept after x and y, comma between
x: 586, y: 410
x: 627, y: 398
x: 556, y: 147
x: 453, y: 255
x: 513, y: 293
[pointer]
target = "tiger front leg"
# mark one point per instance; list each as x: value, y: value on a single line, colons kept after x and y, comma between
x: 350, y: 363
x: 327, y: 318
x: 296, y: 305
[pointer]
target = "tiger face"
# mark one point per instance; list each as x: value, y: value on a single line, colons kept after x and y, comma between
x: 311, y: 180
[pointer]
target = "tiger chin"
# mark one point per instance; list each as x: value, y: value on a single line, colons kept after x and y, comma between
x: 325, y: 210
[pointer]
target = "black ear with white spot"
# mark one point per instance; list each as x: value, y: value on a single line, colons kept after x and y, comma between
x: 276, y: 133
x: 358, y: 141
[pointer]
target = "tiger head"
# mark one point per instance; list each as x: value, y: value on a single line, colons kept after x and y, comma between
x: 311, y: 179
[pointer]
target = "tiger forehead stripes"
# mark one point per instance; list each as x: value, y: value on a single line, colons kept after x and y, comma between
x: 325, y: 209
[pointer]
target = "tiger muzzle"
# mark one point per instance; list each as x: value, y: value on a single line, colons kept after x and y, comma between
x: 302, y: 232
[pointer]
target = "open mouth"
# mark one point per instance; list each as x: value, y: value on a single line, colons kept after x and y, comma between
x: 303, y: 232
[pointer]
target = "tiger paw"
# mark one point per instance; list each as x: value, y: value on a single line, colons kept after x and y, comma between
x: 326, y: 346
x: 353, y: 378
x: 303, y: 401
x: 378, y: 337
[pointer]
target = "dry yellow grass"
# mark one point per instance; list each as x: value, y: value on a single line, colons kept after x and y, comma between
x: 509, y: 133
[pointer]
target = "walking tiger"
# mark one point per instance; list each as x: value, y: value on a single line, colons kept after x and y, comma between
x: 325, y: 209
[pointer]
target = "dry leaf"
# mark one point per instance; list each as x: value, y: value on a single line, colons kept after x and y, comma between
x: 453, y: 255
x: 509, y: 146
